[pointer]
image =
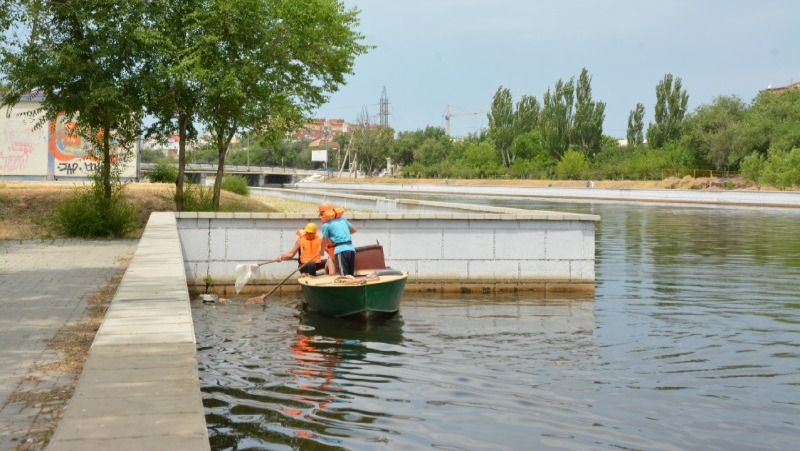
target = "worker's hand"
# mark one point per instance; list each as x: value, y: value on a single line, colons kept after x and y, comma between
x: 279, y: 258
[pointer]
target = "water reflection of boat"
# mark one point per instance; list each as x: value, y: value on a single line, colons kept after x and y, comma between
x: 382, y: 329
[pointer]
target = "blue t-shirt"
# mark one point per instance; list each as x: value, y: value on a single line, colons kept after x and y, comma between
x: 338, y: 230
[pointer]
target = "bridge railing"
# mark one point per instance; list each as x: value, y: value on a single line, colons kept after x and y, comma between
x: 237, y: 169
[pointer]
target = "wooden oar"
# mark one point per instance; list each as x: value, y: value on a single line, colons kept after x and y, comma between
x: 263, y: 297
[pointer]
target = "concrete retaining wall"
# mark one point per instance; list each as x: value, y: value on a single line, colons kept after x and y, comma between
x: 518, y: 250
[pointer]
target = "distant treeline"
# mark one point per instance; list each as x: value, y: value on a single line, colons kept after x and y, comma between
x: 561, y: 138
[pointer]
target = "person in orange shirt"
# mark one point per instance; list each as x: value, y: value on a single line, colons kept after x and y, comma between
x: 307, y: 247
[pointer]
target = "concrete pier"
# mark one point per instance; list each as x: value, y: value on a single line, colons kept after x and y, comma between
x: 140, y: 386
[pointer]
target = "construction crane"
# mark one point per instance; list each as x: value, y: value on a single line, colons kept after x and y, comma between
x: 449, y: 114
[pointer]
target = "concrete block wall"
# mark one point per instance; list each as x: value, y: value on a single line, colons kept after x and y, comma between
x: 540, y: 251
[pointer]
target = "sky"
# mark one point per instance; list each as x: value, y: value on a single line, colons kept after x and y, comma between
x: 433, y: 53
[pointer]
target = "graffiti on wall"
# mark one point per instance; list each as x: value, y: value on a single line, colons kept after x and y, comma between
x: 52, y: 151
x: 15, y: 154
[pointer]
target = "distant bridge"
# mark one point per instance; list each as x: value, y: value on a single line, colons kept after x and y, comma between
x: 255, y: 175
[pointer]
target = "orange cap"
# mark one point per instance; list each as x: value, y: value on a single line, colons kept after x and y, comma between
x: 325, y: 206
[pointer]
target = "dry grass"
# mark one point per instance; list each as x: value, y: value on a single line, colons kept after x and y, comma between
x: 27, y: 208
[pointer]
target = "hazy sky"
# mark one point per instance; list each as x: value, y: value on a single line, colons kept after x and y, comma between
x: 434, y: 53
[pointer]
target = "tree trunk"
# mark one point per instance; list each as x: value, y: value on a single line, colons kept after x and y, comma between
x: 223, y: 143
x: 106, y: 170
x: 183, y: 119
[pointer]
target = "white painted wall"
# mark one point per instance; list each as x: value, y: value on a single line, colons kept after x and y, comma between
x: 464, y: 248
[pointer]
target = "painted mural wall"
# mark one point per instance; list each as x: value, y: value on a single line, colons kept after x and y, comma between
x: 50, y: 152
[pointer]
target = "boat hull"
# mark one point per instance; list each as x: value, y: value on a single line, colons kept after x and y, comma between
x: 364, y: 298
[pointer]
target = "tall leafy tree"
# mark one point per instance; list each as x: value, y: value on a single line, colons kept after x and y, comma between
x: 773, y: 121
x: 371, y: 143
x: 527, y: 115
x: 635, y: 133
x: 171, y: 87
x: 713, y: 131
x: 264, y: 65
x: 671, y: 102
x: 587, y: 124
x: 84, y: 58
x: 555, y: 120
x: 502, y: 123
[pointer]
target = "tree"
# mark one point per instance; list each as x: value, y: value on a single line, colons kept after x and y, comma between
x: 636, y: 126
x: 502, y: 122
x: 587, y: 124
x: 371, y: 143
x: 265, y: 64
x: 83, y: 58
x: 555, y: 119
x: 172, y: 92
x: 713, y: 131
x: 773, y: 121
x: 671, y: 101
x: 527, y: 115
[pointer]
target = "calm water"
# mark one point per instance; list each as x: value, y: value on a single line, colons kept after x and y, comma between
x: 692, y: 342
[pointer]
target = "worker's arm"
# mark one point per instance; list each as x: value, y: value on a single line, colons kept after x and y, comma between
x: 290, y: 254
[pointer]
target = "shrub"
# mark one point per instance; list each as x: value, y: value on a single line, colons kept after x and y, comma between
x: 572, y: 166
x: 87, y: 213
x: 164, y: 172
x: 751, y: 167
x: 782, y: 168
x: 198, y: 198
x: 236, y: 184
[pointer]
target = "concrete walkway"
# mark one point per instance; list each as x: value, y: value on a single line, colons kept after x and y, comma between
x: 140, y: 387
x: 44, y: 285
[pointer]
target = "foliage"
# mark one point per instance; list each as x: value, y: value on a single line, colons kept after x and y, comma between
x: 164, y: 172
x: 63, y: 53
x: 636, y: 126
x: 88, y: 213
x: 572, y: 166
x: 671, y: 101
x: 773, y: 121
x: 370, y: 144
x: 198, y: 198
x: 782, y: 168
x: 555, y: 118
x: 273, y: 68
x: 752, y: 167
x: 501, y: 123
x: 172, y: 95
x: 405, y: 146
x: 148, y: 155
x: 236, y: 184
x: 587, y: 124
x: 482, y: 159
x: 713, y: 131
x: 539, y: 167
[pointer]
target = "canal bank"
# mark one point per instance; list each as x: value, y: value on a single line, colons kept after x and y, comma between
x: 140, y: 386
x: 733, y: 198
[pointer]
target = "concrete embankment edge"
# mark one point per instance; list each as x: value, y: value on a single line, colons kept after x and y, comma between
x: 140, y: 387
x: 733, y: 198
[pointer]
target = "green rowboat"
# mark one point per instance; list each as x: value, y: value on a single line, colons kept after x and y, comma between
x: 363, y: 297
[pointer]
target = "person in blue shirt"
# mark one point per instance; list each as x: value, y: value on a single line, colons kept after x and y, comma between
x: 337, y: 233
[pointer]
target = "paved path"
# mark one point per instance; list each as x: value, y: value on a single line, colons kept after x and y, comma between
x: 44, y: 285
